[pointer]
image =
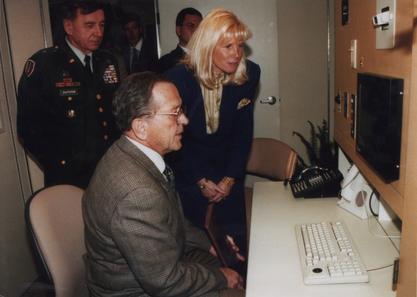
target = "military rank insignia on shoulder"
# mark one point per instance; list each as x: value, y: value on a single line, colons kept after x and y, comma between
x: 29, y: 67
x: 110, y: 75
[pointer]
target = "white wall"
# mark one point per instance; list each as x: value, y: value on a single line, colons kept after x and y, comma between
x: 25, y: 36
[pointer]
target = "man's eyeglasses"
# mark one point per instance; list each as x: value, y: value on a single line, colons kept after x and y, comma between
x: 180, y: 111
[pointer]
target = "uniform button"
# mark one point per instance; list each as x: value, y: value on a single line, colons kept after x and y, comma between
x: 105, y: 137
x: 104, y: 123
x: 71, y: 113
x: 100, y: 109
x: 98, y: 96
x: 69, y: 98
x: 63, y: 162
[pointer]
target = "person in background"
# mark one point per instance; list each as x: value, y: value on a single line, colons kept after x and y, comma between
x: 114, y: 38
x: 64, y: 117
x: 139, y: 54
x: 217, y: 84
x: 186, y: 23
x: 138, y: 241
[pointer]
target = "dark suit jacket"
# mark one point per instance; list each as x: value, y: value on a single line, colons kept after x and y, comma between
x: 147, y: 60
x: 202, y: 154
x: 64, y: 116
x: 216, y: 155
x: 171, y: 59
x: 136, y: 234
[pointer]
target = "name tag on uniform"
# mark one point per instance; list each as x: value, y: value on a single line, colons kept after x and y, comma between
x: 68, y: 92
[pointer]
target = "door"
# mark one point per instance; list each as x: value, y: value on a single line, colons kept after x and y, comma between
x: 305, y: 67
x: 261, y: 18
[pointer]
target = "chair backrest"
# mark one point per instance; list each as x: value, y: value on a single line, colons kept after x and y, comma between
x: 271, y: 158
x: 54, y: 219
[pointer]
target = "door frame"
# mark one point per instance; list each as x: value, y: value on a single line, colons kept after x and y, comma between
x: 9, y: 107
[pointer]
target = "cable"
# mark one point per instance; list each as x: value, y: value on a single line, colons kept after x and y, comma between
x: 373, y: 216
x: 369, y: 215
x: 379, y: 268
x: 370, y: 204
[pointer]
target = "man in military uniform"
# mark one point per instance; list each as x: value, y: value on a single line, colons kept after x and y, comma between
x: 64, y: 116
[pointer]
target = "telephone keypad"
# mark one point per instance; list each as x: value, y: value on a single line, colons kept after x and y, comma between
x: 317, y: 182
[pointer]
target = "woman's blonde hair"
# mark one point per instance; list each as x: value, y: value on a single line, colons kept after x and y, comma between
x: 219, y: 24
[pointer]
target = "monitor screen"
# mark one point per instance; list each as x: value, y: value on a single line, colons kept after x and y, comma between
x: 378, y: 123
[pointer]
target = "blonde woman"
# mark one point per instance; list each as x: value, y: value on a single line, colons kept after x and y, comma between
x: 217, y: 85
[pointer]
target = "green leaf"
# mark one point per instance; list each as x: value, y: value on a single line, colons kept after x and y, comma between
x: 320, y: 150
x: 310, y: 149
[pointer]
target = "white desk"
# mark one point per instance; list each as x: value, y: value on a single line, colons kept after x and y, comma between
x: 274, y: 269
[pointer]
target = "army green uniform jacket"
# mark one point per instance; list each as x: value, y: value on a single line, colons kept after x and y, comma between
x: 64, y: 117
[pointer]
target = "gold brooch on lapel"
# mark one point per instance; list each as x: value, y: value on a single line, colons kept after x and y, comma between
x: 243, y: 102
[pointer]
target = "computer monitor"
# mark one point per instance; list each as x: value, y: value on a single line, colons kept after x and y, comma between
x: 379, y: 122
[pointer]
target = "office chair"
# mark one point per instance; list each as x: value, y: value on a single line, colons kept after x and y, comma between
x: 55, y: 223
x: 272, y: 159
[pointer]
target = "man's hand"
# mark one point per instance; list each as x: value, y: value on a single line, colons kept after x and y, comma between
x: 234, y: 280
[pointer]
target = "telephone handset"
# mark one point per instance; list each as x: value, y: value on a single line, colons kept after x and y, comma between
x: 316, y: 182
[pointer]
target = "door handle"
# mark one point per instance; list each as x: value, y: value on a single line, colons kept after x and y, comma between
x: 268, y: 100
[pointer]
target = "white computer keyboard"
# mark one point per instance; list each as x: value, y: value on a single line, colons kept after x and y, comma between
x: 328, y: 254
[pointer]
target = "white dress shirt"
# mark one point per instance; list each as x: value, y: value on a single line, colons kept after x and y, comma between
x: 80, y: 55
x: 155, y: 157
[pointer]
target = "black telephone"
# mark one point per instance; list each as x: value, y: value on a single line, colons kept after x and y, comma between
x: 316, y: 182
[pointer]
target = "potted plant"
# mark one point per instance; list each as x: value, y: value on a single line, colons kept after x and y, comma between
x: 320, y: 150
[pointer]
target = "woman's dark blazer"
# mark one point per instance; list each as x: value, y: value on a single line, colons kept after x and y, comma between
x: 213, y: 156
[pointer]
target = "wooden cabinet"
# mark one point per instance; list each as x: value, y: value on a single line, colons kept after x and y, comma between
x: 401, y: 62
